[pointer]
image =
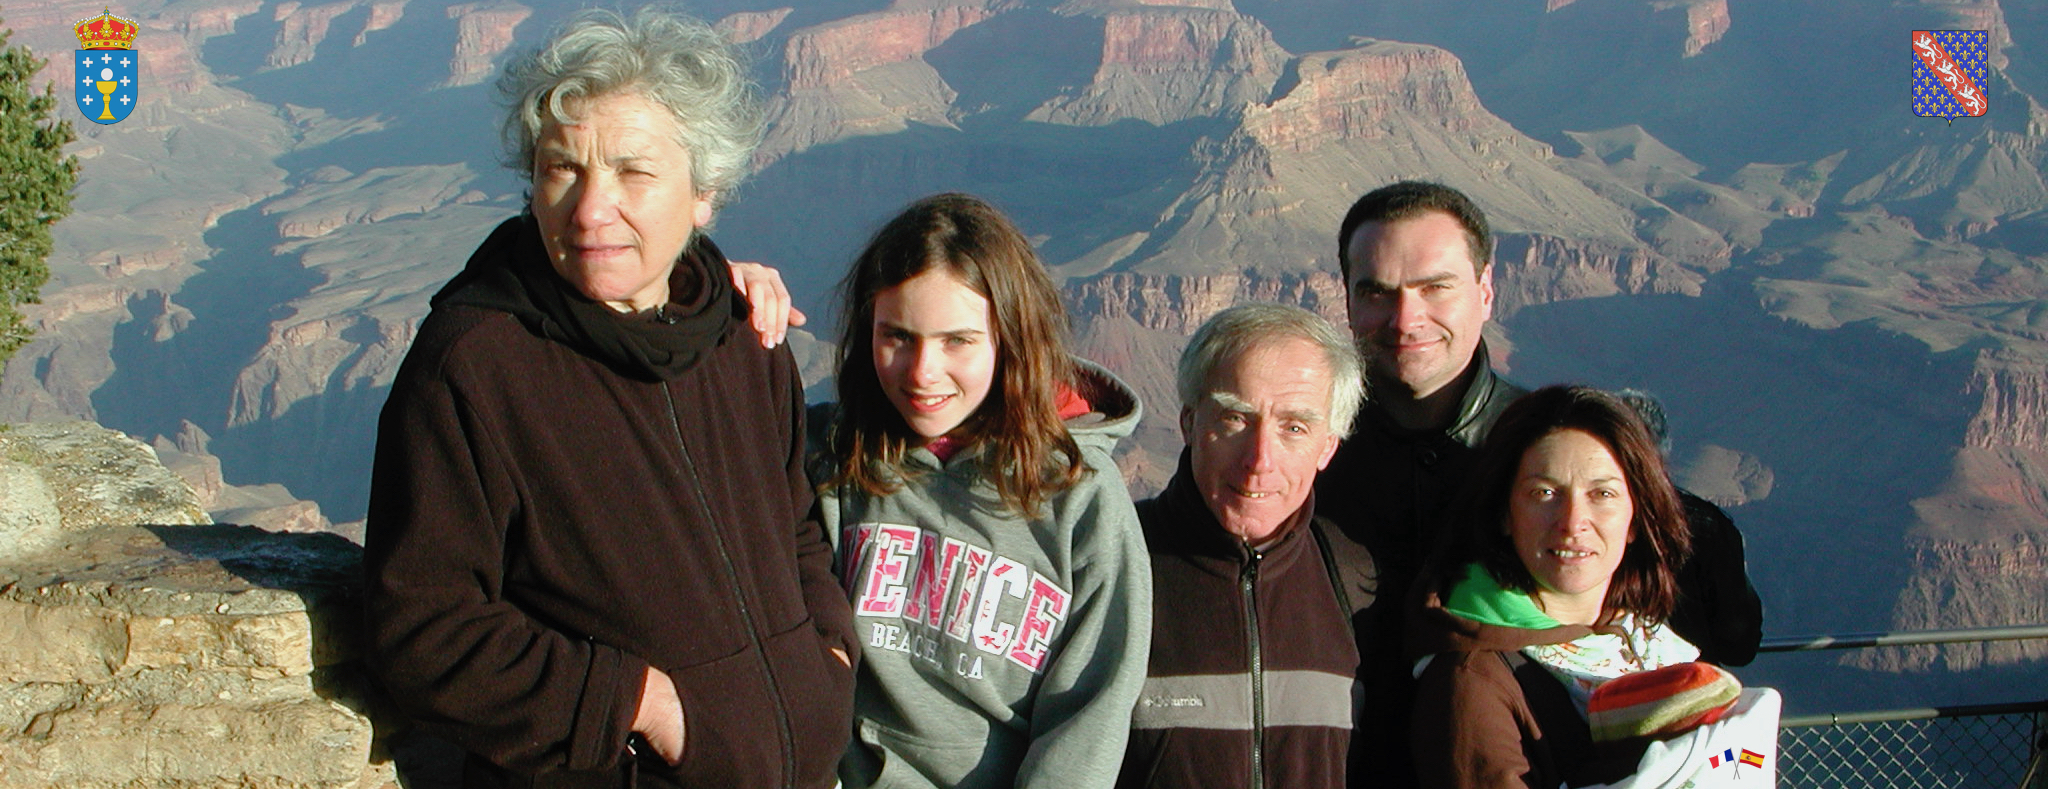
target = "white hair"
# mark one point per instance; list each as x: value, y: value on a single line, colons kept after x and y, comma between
x: 1235, y: 330
x: 675, y: 61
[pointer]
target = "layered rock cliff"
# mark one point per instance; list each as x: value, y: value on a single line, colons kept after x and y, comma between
x: 1980, y: 544
x: 1163, y: 65
x: 482, y: 32
x: 863, y: 75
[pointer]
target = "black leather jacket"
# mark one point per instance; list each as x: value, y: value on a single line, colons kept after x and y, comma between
x: 1388, y: 486
x: 1386, y: 489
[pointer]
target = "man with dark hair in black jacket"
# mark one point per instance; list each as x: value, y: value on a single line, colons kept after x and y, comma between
x: 1418, y: 283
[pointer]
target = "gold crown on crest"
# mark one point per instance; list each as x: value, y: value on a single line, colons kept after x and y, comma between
x: 106, y: 31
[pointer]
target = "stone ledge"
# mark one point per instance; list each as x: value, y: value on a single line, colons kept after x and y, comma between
x: 94, y: 476
x: 143, y: 647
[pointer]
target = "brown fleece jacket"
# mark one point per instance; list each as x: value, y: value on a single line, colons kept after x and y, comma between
x: 1223, y: 616
x: 1485, y: 718
x: 544, y: 524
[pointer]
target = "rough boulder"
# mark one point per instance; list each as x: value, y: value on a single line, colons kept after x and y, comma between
x: 142, y: 645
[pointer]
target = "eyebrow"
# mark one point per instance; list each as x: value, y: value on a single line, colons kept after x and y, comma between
x: 1597, y: 481
x: 549, y: 149
x: 1376, y: 285
x: 1233, y: 403
x: 901, y: 329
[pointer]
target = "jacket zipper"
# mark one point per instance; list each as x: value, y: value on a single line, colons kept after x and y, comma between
x: 787, y: 738
x: 1248, y: 582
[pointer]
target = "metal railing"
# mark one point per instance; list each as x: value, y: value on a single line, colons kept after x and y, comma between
x: 1983, y: 745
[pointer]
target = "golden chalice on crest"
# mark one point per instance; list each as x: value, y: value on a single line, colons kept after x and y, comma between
x: 107, y: 87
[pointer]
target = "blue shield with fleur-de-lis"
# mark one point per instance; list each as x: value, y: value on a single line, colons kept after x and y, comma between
x: 105, y: 83
x: 1951, y: 71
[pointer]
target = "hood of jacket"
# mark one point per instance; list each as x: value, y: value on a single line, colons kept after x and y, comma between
x: 1115, y: 405
x: 510, y: 273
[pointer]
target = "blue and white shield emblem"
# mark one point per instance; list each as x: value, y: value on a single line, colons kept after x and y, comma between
x: 105, y: 83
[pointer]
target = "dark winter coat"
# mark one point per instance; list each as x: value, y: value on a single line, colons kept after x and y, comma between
x: 564, y: 496
x: 1387, y: 489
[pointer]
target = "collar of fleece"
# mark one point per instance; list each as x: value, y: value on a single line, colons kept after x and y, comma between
x: 510, y: 273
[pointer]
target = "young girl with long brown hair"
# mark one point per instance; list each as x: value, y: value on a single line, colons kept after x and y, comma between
x: 988, y: 544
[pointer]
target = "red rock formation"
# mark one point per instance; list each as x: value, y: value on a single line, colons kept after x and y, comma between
x: 1176, y: 305
x: 1352, y: 94
x: 302, y: 360
x: 300, y: 30
x: 1540, y: 269
x: 1980, y: 546
x: 1163, y: 40
x: 1706, y: 21
x: 383, y: 14
x: 1969, y: 15
x: 829, y: 54
x: 206, y: 22
x: 482, y: 31
x: 2013, y: 388
x: 1960, y: 584
x: 1168, y: 65
x: 750, y: 26
x: 171, y: 67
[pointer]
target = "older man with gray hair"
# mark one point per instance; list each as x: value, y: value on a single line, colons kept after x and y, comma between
x: 1253, y: 662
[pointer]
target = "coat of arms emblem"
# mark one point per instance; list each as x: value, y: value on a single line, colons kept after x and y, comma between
x: 106, y: 67
x: 1950, y: 73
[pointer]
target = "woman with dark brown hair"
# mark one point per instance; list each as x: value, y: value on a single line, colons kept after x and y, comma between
x: 1558, y: 576
x: 998, y: 577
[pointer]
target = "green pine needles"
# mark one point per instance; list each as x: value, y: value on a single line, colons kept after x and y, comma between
x: 35, y: 187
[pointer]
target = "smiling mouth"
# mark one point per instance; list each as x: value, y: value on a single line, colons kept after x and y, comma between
x: 1251, y: 494
x: 1568, y: 554
x: 929, y: 402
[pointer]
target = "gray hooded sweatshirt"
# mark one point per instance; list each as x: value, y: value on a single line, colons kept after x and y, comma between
x: 997, y: 650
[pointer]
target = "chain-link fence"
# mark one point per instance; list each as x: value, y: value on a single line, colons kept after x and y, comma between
x: 1993, y: 746
x: 1989, y: 747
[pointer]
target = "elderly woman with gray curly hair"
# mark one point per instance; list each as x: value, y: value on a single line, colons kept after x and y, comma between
x: 589, y: 554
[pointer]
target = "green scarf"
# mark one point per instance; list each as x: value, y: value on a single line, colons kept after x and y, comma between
x: 1481, y: 599
x: 1581, y: 664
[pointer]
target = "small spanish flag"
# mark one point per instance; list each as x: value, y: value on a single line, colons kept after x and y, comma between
x: 1752, y: 758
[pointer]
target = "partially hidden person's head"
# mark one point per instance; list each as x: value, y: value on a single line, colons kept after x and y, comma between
x: 1418, y: 285
x: 953, y: 330
x: 631, y: 131
x: 1266, y: 392
x: 1651, y: 411
x: 1570, y: 503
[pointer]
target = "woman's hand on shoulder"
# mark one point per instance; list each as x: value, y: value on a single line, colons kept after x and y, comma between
x: 768, y: 301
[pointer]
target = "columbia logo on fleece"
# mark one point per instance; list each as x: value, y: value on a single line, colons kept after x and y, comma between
x: 958, y: 590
